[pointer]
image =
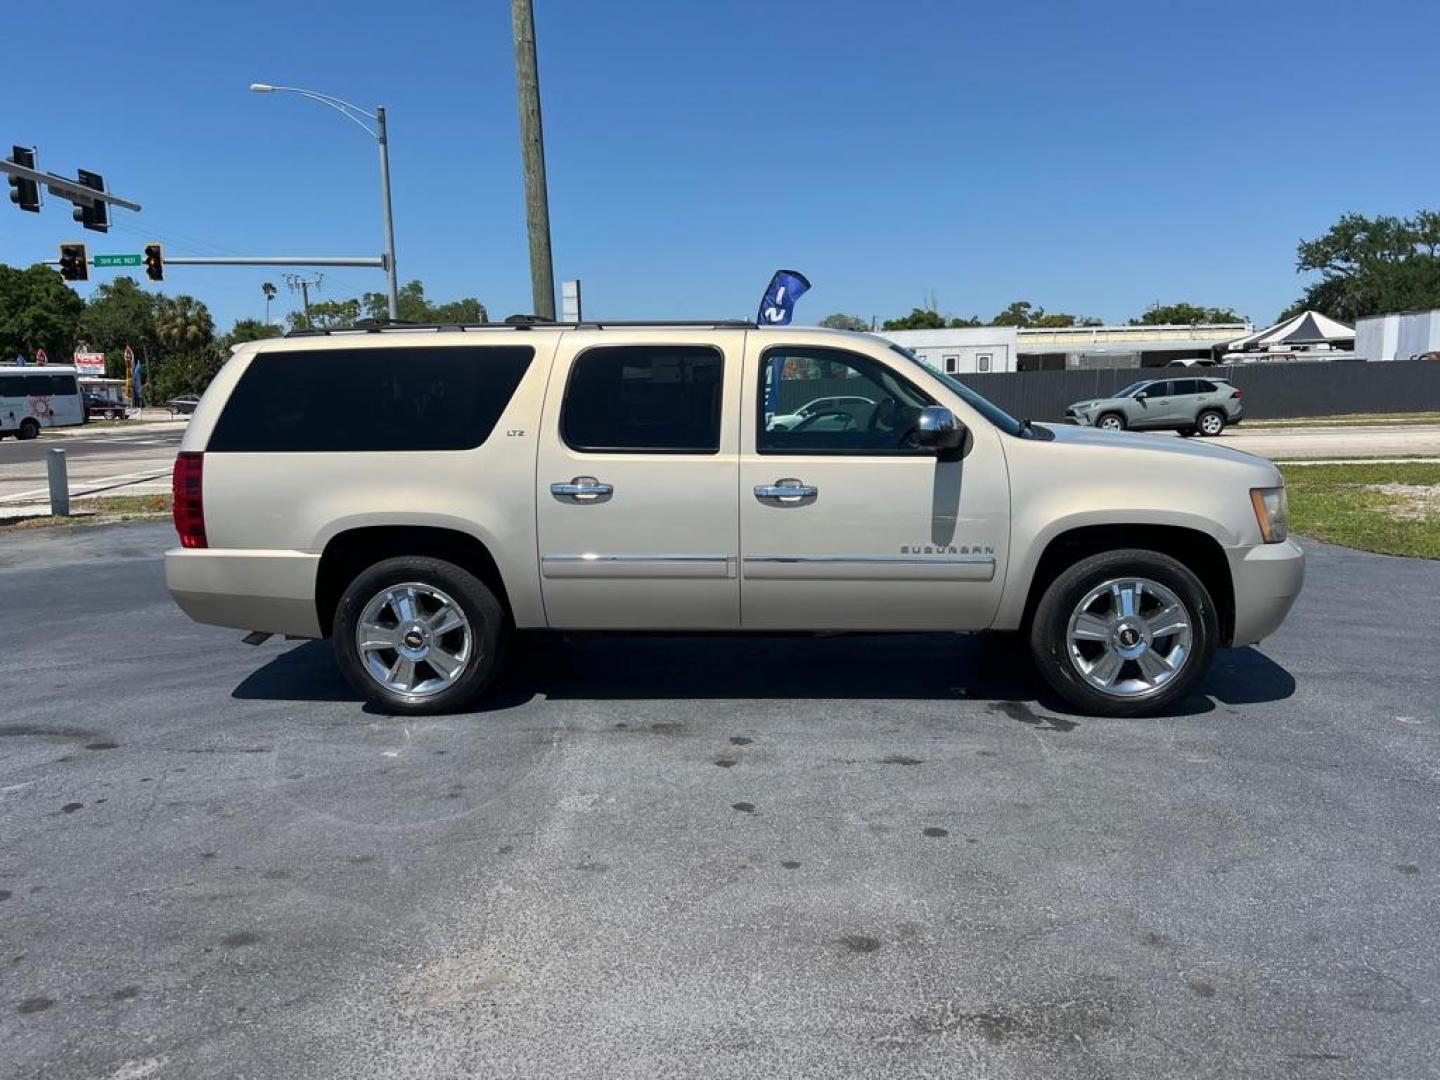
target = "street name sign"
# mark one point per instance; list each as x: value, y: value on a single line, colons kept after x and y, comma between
x: 118, y: 260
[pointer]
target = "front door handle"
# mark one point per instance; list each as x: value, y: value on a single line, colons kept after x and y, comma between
x: 788, y: 491
x: 582, y: 489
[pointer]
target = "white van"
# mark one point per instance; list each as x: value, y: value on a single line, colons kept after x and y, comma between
x: 32, y: 398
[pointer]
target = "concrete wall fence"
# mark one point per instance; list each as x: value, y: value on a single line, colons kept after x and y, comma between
x: 1272, y: 391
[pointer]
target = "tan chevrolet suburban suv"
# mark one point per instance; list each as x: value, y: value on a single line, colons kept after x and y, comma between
x: 419, y: 494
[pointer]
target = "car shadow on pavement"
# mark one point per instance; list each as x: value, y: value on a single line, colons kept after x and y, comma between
x: 895, y: 667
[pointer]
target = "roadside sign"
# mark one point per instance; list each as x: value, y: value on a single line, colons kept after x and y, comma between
x: 40, y: 357
x: 118, y: 260
x: 90, y: 363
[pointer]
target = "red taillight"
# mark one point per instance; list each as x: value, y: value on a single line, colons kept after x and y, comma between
x: 186, y: 484
x: 1238, y: 394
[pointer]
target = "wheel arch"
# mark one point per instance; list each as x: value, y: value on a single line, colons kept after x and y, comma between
x: 348, y: 553
x: 1196, y: 549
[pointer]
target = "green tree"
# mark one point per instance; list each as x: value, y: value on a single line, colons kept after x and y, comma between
x: 1022, y: 313
x: 918, y: 319
x: 249, y: 330
x: 37, y: 310
x: 974, y: 320
x: 183, y: 324
x: 1370, y: 266
x: 841, y: 321
x: 327, y: 315
x: 414, y: 307
x: 120, y: 313
x: 1183, y: 314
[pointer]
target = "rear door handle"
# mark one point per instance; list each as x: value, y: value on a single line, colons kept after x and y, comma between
x: 788, y: 491
x: 582, y: 489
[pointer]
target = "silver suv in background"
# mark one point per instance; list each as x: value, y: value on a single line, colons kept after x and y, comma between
x: 1190, y: 406
x: 421, y: 494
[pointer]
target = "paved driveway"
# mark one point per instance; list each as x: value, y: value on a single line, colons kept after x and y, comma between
x: 709, y: 857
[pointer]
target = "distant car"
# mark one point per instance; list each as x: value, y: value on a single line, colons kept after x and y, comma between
x: 182, y: 406
x: 1192, y: 361
x: 825, y: 414
x: 1188, y: 406
x: 1434, y: 355
x: 101, y: 407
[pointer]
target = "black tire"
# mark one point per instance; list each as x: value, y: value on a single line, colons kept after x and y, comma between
x: 489, y: 630
x: 1185, y: 432
x: 1118, y: 418
x: 1049, y: 629
x: 1210, y: 423
x: 29, y: 429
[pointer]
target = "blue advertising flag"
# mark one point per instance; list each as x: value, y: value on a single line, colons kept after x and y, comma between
x: 778, y: 303
x: 135, y: 394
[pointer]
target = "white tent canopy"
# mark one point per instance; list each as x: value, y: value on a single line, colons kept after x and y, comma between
x: 1307, y: 328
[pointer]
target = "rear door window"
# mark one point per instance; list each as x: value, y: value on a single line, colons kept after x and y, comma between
x: 387, y: 399
x: 644, y: 399
x: 62, y: 384
x: 39, y: 385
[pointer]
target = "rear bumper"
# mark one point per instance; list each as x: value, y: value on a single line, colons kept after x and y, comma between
x: 272, y: 591
x: 1267, y: 579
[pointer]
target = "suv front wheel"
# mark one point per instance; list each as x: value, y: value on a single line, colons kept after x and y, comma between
x: 1124, y: 633
x: 419, y: 636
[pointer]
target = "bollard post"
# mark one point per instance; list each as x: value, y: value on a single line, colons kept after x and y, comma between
x: 59, y: 483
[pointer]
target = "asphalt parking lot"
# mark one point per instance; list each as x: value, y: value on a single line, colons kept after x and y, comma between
x: 709, y: 857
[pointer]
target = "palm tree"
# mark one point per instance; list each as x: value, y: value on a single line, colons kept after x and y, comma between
x: 268, y: 288
x: 183, y: 323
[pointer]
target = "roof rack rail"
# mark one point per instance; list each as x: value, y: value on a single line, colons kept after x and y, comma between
x: 522, y: 323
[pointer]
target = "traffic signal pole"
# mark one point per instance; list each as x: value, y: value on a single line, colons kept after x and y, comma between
x: 382, y: 135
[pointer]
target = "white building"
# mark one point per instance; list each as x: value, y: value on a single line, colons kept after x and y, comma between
x: 966, y: 350
x: 972, y: 350
x: 1398, y: 337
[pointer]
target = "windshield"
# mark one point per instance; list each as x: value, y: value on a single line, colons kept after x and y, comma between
x: 996, y: 415
x: 1132, y: 389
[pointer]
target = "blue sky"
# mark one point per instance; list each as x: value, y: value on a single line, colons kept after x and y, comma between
x: 1089, y: 157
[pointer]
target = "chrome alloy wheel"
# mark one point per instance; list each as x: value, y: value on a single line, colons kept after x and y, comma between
x: 1212, y: 423
x: 414, y: 639
x: 1128, y: 637
x: 1111, y: 423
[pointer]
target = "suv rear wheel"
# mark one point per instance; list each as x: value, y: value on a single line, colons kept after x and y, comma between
x: 1124, y: 633
x: 419, y: 636
x: 1210, y: 422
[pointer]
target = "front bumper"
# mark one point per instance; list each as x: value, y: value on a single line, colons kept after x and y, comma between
x: 273, y: 591
x: 1080, y: 418
x: 1267, y: 579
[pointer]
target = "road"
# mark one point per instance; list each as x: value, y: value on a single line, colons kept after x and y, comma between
x: 1368, y: 441
x: 709, y: 857
x: 135, y: 462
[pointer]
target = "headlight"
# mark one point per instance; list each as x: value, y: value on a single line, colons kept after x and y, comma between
x: 1272, y: 511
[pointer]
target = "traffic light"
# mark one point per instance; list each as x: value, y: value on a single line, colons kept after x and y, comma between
x: 25, y: 193
x: 154, y: 262
x: 74, y: 262
x: 92, y: 215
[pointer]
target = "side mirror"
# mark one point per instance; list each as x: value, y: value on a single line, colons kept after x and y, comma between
x: 1141, y: 396
x: 937, y: 429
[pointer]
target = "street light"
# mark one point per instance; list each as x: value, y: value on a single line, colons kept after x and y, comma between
x: 354, y: 114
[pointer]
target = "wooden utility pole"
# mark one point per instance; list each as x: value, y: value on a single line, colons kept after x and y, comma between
x: 532, y: 150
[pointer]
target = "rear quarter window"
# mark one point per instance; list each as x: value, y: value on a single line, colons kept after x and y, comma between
x: 388, y: 399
